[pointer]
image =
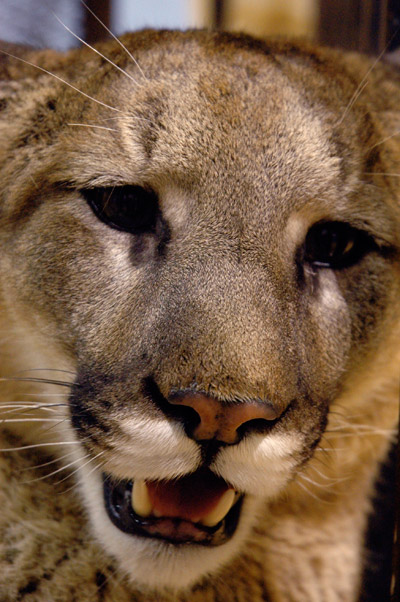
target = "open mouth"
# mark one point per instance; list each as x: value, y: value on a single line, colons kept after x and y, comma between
x: 199, y: 508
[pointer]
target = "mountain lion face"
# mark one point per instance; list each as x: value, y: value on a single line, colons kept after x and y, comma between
x: 204, y: 238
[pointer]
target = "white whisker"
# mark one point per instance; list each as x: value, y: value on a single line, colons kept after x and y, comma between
x: 44, y: 395
x: 397, y: 133
x: 26, y: 416
x: 49, y: 428
x: 8, y: 420
x: 36, y: 445
x: 321, y: 474
x: 103, y: 104
x: 359, y: 90
x: 315, y: 483
x: 26, y: 403
x: 16, y: 407
x: 46, y: 381
x: 32, y: 405
x: 303, y: 486
x: 332, y: 480
x: 124, y: 48
x: 26, y: 409
x: 313, y: 495
x: 363, y: 83
x: 110, y: 576
x: 50, y: 408
x: 95, y: 50
x: 47, y: 476
x: 77, y: 470
x: 89, y: 473
x: 58, y: 459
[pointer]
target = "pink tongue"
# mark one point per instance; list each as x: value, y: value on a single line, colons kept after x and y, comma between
x: 190, y: 498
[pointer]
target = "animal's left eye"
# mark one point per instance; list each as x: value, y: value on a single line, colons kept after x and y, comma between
x: 131, y: 209
x: 336, y: 245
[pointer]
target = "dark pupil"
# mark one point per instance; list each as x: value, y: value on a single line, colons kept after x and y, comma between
x: 331, y: 243
x: 129, y: 208
x: 334, y: 245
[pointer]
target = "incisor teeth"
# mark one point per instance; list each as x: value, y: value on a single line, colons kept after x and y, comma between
x: 220, y: 510
x: 141, y: 503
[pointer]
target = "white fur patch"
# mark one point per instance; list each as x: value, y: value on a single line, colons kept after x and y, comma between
x: 154, y: 448
x: 330, y: 295
x: 151, y: 562
x: 260, y: 465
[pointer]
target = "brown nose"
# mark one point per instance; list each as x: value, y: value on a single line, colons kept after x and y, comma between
x: 220, y: 420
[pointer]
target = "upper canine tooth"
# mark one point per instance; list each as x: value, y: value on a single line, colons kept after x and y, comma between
x: 220, y: 510
x: 141, y: 503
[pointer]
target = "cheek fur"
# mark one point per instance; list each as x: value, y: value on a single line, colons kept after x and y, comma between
x: 325, y: 338
x: 260, y: 465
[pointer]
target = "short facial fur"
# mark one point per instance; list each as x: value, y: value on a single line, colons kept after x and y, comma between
x: 247, y: 146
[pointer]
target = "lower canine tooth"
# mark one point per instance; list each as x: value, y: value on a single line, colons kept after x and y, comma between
x: 220, y: 510
x: 141, y: 503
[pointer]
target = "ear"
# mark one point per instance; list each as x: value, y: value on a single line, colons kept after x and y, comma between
x: 9, y: 67
x: 21, y: 65
x: 20, y: 62
x: 11, y: 78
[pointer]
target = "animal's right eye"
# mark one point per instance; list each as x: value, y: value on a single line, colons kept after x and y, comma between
x: 336, y: 245
x: 131, y: 209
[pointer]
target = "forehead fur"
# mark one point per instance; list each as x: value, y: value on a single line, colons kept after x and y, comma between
x: 267, y: 125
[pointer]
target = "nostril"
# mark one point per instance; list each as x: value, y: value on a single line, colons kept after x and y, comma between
x: 187, y: 415
x: 225, y: 422
x: 257, y: 425
x: 181, y: 413
x: 209, y: 419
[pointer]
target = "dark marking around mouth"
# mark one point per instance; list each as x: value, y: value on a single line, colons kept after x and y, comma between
x: 174, y: 530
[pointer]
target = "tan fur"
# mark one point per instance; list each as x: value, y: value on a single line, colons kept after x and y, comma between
x: 247, y: 144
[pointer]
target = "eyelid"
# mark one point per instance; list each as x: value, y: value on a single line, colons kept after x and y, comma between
x: 132, y: 209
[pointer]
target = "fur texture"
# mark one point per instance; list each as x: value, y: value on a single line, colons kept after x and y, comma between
x: 248, y: 147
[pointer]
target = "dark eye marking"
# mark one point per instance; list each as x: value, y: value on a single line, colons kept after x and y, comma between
x: 132, y: 209
x: 336, y: 245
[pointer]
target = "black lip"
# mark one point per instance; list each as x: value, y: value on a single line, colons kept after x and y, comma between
x: 117, y: 499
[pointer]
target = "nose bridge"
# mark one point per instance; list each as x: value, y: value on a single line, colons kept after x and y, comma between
x: 219, y: 300
x: 223, y: 333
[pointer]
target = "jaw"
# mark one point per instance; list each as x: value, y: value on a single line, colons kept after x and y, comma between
x: 153, y: 562
x: 177, y: 553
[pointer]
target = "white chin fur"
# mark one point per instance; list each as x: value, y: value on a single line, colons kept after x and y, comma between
x: 259, y: 466
x: 151, y: 563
